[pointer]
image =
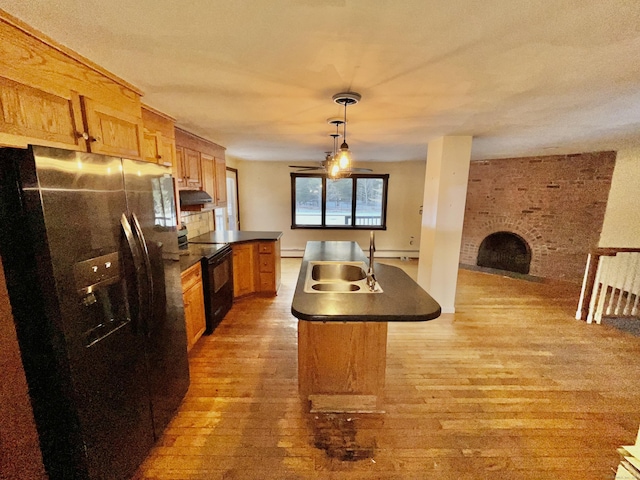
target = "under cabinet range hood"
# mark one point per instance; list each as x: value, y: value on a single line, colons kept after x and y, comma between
x: 194, y: 197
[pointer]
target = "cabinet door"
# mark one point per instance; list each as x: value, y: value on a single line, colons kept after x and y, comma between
x: 192, y: 168
x: 150, y: 152
x: 244, y: 269
x: 112, y: 132
x: 158, y: 149
x: 208, y: 175
x: 29, y: 115
x: 193, y: 298
x: 179, y: 168
x: 221, y: 182
x: 167, y: 151
x: 194, y: 315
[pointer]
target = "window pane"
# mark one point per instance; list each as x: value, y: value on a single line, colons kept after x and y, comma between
x: 369, y: 201
x: 339, y: 193
x: 308, y: 201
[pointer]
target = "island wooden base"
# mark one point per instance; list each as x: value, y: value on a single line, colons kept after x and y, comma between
x: 341, y: 366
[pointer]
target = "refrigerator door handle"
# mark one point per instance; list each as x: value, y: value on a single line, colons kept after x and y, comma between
x: 147, y: 265
x: 134, y: 248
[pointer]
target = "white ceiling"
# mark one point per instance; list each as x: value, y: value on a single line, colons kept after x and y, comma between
x: 524, y: 77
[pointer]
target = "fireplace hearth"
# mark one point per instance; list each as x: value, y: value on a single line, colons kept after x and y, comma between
x: 505, y: 251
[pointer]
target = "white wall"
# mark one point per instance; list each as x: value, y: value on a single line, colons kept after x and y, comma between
x: 265, y: 204
x: 621, y: 225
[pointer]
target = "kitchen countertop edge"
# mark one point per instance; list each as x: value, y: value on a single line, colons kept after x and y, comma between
x: 402, y: 299
x: 236, y: 236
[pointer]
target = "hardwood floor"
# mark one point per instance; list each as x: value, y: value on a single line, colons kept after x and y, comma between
x: 511, y: 386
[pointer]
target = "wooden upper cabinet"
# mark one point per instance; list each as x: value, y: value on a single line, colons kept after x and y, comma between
x: 221, y: 182
x: 201, y: 161
x: 30, y: 115
x: 179, y: 169
x: 50, y: 95
x: 110, y: 131
x: 208, y: 175
x: 167, y: 151
x: 193, y: 175
x: 159, y: 145
x: 150, y: 147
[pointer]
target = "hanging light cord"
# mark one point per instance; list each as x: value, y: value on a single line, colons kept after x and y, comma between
x: 344, y: 132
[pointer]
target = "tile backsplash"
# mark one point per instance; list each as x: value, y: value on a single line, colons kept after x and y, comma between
x: 197, y: 223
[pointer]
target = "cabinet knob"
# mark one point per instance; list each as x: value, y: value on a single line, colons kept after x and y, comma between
x: 87, y: 137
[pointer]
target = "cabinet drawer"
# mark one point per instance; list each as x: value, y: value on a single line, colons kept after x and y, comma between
x: 265, y: 247
x: 267, y: 282
x: 191, y: 277
x: 266, y: 263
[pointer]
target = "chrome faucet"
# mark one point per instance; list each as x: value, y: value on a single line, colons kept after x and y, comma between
x: 371, y: 277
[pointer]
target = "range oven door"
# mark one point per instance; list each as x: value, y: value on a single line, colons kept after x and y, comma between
x: 218, y: 288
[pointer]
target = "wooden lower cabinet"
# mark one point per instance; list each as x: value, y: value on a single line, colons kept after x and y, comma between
x: 193, y: 298
x: 269, y: 259
x: 256, y: 268
x: 245, y: 271
x: 341, y: 365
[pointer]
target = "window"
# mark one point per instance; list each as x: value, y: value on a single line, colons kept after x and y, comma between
x: 355, y: 202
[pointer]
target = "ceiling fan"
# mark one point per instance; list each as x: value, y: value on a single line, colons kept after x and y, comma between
x: 324, y: 166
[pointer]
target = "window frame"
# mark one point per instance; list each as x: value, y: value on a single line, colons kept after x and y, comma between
x: 323, y: 210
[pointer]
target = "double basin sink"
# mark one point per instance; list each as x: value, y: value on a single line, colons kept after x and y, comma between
x: 338, y: 277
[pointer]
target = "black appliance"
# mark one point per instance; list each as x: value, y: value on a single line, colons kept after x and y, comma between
x: 91, y: 260
x: 217, y: 273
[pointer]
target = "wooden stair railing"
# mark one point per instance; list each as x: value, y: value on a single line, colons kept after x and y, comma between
x: 611, y: 284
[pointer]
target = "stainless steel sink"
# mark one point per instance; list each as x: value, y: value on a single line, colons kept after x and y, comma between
x: 331, y: 272
x: 338, y: 277
x: 335, y: 287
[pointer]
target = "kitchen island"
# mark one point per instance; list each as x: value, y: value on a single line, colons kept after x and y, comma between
x: 342, y: 336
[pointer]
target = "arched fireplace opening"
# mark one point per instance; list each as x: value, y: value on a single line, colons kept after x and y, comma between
x: 505, y: 251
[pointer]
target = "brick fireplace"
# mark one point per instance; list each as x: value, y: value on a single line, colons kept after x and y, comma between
x: 554, y: 204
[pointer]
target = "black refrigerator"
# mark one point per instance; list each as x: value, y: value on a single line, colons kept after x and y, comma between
x: 89, y: 247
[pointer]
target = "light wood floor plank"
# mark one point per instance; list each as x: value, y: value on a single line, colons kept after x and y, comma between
x: 508, y: 387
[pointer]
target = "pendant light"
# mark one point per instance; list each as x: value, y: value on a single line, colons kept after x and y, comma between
x: 343, y: 156
x: 333, y: 167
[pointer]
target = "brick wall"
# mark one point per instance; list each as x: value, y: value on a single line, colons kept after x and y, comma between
x: 555, y: 203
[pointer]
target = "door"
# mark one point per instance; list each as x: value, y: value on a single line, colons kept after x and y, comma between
x: 73, y: 203
x: 233, y: 212
x: 149, y: 194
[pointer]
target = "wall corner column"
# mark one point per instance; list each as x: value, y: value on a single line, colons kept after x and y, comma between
x: 445, y: 195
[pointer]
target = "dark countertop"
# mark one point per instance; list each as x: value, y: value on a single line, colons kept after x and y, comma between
x: 235, y: 236
x: 402, y: 299
x: 193, y: 254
